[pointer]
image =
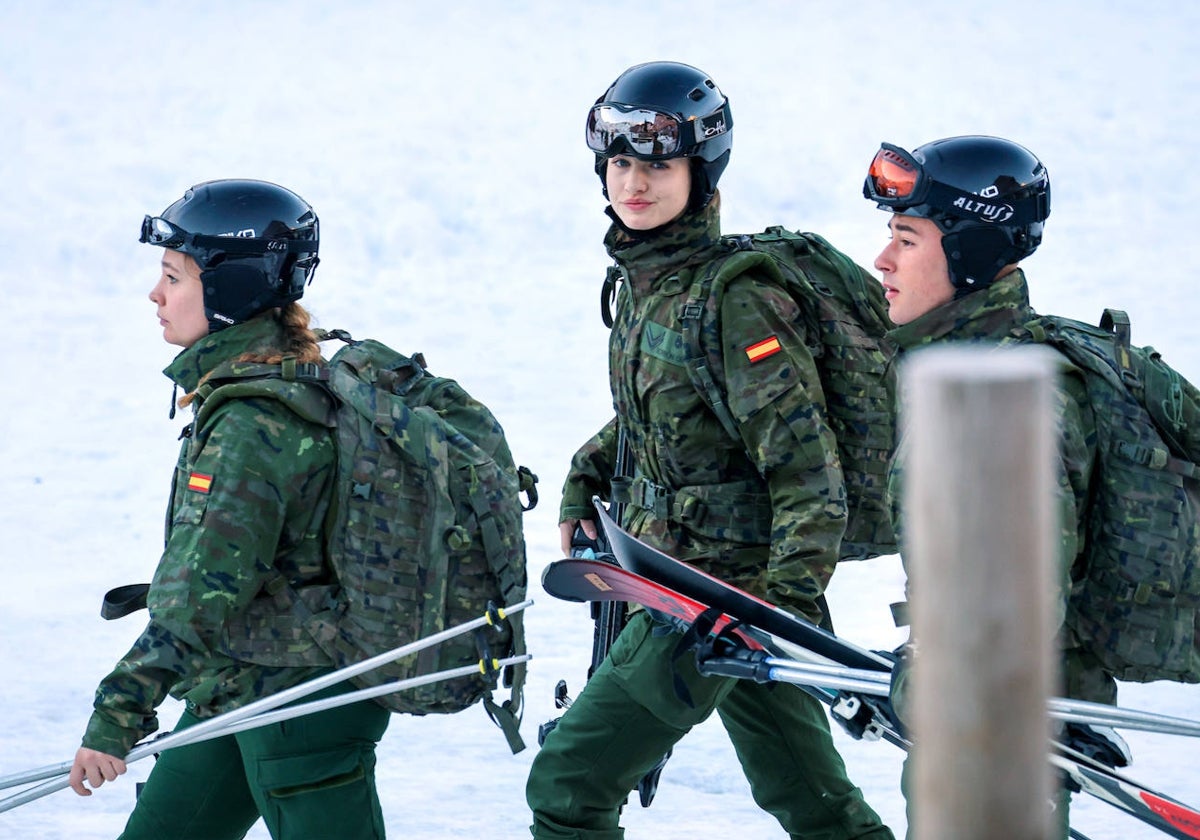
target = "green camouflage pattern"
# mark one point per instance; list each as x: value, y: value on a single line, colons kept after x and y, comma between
x: 1137, y: 606
x: 426, y: 533
x: 1129, y: 531
x: 765, y: 511
x: 846, y: 320
x: 989, y: 317
x: 272, y: 475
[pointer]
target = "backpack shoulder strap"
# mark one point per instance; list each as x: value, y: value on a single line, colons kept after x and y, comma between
x: 1116, y: 321
x: 738, y: 256
x: 1108, y: 360
x: 303, y: 387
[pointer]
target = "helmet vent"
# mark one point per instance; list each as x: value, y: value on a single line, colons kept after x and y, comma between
x: 696, y: 95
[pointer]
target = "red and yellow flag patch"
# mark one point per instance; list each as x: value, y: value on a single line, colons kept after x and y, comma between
x: 759, y: 351
x: 200, y: 482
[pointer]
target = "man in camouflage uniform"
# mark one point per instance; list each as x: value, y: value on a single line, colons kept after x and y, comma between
x: 765, y: 512
x: 950, y: 275
x: 250, y: 495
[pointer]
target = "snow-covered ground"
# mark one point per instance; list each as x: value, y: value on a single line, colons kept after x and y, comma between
x: 441, y: 144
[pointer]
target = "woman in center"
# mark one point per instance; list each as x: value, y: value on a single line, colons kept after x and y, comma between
x: 751, y: 491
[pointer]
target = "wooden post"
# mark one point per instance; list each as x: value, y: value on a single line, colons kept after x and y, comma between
x: 981, y: 523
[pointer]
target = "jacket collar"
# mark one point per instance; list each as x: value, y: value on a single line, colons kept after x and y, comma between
x: 258, y: 335
x: 987, y: 315
x: 647, y: 257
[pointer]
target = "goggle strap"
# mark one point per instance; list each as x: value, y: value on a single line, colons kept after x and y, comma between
x: 245, y: 245
x: 943, y: 197
x: 1025, y: 210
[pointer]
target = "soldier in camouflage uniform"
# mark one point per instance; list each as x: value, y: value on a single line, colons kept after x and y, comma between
x: 250, y: 493
x: 765, y: 512
x: 965, y: 211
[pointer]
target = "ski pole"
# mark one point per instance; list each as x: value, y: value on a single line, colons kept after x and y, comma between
x: 290, y: 712
x: 877, y: 683
x: 1083, y: 711
x: 774, y: 669
x: 225, y: 723
x: 35, y: 775
x: 190, y: 736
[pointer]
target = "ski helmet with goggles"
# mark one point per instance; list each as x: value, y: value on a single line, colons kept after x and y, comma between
x: 255, y: 242
x: 988, y: 196
x: 662, y: 110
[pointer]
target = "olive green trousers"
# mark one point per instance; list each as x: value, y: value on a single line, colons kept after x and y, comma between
x: 310, y: 778
x: 630, y: 713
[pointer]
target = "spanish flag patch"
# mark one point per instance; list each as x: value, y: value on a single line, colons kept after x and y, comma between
x: 766, y: 347
x: 199, y: 482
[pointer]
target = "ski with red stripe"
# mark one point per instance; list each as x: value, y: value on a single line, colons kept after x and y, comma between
x: 650, y: 576
x: 580, y: 579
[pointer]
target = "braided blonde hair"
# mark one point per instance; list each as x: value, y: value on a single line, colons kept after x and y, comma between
x: 300, y: 343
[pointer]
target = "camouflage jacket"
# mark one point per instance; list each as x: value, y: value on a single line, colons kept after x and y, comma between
x: 990, y: 316
x: 249, y: 496
x: 765, y: 512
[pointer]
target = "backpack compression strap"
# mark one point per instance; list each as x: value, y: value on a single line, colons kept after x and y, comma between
x: 506, y: 715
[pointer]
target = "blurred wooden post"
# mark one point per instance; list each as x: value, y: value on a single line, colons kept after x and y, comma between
x: 981, y: 533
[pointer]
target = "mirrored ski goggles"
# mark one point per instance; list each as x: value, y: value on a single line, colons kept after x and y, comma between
x: 648, y: 133
x: 166, y: 234
x: 895, y: 178
x: 158, y: 231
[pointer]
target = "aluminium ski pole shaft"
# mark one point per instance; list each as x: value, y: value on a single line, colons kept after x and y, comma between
x: 1083, y: 711
x: 190, y: 736
x: 291, y: 712
x: 35, y: 775
x: 222, y: 724
x: 196, y: 734
x: 877, y: 683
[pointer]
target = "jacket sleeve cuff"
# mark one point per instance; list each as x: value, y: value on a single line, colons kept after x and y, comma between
x: 109, y: 738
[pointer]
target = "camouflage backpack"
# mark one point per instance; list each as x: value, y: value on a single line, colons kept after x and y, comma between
x: 847, y: 320
x: 1138, y: 603
x: 424, y: 533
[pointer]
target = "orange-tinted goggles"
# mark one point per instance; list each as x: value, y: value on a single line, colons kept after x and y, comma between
x: 895, y: 177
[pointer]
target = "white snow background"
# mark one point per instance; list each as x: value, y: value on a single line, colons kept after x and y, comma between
x: 442, y: 146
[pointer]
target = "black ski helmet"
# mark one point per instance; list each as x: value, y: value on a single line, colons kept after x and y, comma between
x: 989, y: 196
x: 664, y: 109
x: 255, y: 242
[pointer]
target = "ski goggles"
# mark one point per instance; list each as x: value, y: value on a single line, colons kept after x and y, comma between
x: 158, y: 231
x: 897, y: 181
x: 895, y: 178
x: 166, y: 234
x: 650, y: 133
